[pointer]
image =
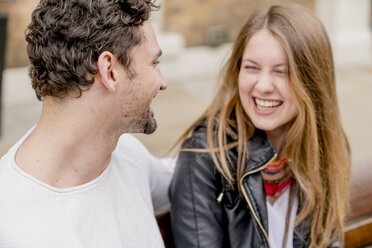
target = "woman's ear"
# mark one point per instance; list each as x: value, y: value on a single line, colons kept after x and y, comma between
x: 106, y: 61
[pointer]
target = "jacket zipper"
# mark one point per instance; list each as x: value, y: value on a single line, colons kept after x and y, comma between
x: 247, y: 198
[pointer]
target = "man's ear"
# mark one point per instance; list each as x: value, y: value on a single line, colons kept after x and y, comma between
x: 106, y: 67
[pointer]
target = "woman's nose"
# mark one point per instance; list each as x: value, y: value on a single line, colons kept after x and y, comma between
x: 265, y: 83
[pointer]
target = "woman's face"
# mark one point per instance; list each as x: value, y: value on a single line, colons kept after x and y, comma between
x: 263, y: 85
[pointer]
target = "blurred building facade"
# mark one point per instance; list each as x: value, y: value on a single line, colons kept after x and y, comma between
x: 19, y: 16
x: 208, y: 22
x: 212, y: 22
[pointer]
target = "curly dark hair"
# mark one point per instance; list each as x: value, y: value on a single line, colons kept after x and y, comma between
x: 66, y: 37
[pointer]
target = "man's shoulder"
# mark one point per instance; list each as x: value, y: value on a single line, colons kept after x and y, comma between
x: 7, y: 158
x: 4, y: 162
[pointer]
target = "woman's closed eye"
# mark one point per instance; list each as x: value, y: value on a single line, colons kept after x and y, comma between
x: 281, y: 72
x: 251, y: 67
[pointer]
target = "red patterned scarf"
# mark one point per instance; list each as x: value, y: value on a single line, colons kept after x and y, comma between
x: 276, y: 176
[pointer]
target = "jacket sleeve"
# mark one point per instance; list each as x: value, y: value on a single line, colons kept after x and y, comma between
x: 196, y: 215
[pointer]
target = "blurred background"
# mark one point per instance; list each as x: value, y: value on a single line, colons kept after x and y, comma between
x: 195, y: 36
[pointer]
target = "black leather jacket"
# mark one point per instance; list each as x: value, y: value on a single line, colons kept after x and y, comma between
x: 207, y: 213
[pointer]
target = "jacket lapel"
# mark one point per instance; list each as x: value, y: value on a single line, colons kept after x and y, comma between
x: 261, y: 152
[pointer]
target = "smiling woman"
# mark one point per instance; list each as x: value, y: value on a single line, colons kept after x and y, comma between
x: 267, y: 164
x: 264, y: 88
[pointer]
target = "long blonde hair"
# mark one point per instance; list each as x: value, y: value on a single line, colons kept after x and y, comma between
x: 315, y: 144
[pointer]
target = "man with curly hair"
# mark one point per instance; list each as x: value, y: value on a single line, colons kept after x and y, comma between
x: 77, y: 179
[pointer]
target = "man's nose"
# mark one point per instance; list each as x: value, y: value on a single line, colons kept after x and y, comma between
x: 163, y: 84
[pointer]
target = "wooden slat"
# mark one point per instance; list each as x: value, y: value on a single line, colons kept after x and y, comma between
x: 358, y: 227
x: 359, y: 233
x: 360, y: 190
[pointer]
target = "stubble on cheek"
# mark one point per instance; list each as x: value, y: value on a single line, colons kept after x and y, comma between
x: 138, y: 115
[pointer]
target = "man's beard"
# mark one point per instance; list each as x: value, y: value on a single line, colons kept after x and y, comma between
x: 143, y: 122
x: 150, y: 124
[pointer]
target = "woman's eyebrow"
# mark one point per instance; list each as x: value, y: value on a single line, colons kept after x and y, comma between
x: 250, y: 60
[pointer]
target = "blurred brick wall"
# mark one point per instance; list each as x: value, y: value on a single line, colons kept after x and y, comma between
x: 194, y: 18
x: 19, y: 16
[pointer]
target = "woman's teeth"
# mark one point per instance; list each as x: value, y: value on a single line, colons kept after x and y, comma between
x: 266, y: 104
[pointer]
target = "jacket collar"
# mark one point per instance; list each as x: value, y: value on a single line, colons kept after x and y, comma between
x: 260, y: 149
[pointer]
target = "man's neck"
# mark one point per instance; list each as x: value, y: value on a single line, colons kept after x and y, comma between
x: 66, y: 150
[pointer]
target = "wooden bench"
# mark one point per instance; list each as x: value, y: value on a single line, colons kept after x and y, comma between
x: 358, y: 224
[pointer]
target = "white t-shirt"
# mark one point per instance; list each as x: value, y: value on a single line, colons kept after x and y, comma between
x: 276, y: 216
x: 114, y: 210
